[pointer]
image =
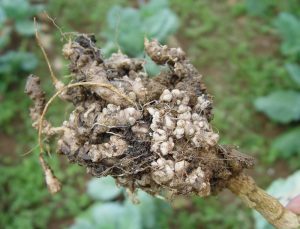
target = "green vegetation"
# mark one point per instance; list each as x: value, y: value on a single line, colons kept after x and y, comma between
x: 247, y: 51
x: 26, y: 202
x: 110, y: 211
x: 126, y: 28
x: 16, y: 60
x: 283, y: 106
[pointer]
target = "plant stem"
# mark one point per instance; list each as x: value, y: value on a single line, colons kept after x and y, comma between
x: 270, y: 208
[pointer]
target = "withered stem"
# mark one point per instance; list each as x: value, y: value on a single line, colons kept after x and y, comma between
x: 269, y: 207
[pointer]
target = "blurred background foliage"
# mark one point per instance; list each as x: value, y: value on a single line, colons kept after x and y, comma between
x: 249, y: 54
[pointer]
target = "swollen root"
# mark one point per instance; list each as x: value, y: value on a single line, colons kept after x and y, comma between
x: 147, y: 133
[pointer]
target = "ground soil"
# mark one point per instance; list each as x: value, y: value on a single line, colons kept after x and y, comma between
x: 7, y: 145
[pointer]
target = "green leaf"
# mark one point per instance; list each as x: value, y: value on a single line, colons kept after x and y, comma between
x: 131, y: 217
x: 122, y: 215
x: 36, y: 8
x: 288, y: 26
x: 288, y: 143
x: 25, y: 27
x: 21, y: 12
x: 159, y: 21
x: 16, y: 9
x: 127, y: 27
x: 109, y: 216
x: 103, y: 188
x: 280, y: 106
x: 161, y: 25
x: 294, y: 71
x: 29, y: 62
x: 153, y: 6
x: 108, y: 48
x: 146, y: 207
x: 13, y: 62
x: 124, y: 27
x: 117, y: 14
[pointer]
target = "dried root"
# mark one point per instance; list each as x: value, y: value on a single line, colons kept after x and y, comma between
x: 147, y: 133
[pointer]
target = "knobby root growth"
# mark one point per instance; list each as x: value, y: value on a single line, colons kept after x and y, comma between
x: 148, y: 133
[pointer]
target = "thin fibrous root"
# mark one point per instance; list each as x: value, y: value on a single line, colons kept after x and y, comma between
x: 55, y: 81
x: 54, y: 23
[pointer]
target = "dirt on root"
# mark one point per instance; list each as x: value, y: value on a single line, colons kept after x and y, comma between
x: 156, y: 138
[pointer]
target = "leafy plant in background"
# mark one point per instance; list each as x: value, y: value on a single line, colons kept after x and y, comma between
x: 288, y: 25
x: 127, y: 27
x: 24, y: 201
x: 284, y: 106
x: 16, y: 28
x: 110, y: 211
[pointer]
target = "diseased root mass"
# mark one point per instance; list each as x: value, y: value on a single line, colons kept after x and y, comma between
x: 147, y: 133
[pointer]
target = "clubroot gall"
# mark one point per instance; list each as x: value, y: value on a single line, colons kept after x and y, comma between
x: 152, y: 134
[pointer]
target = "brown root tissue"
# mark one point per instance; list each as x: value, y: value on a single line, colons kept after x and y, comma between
x: 148, y: 133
